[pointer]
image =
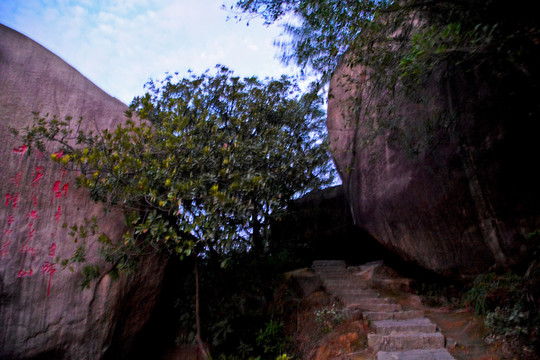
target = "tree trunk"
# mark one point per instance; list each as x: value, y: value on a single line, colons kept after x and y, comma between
x: 205, y: 355
x: 258, y: 246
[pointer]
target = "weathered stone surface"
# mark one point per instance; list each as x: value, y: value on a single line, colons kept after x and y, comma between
x: 398, y: 315
x: 454, y: 196
x: 307, y: 281
x: 376, y: 306
x: 435, y: 354
x: 43, y: 312
x: 405, y: 341
x: 405, y: 334
x: 387, y: 327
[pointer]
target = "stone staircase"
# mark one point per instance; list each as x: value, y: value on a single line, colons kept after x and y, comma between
x: 397, y: 334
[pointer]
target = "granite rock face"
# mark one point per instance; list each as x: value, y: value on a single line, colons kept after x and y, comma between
x: 454, y: 195
x: 43, y: 312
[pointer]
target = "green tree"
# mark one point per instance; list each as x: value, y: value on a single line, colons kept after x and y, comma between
x: 321, y: 30
x: 402, y: 39
x: 210, y: 161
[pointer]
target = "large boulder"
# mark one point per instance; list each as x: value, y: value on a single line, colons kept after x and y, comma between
x: 456, y: 195
x: 43, y: 312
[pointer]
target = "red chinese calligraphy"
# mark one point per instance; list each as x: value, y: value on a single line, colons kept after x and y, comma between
x: 13, y: 198
x: 48, y: 269
x: 32, y: 215
x: 58, y: 191
x: 59, y: 155
x: 25, y: 249
x: 21, y: 149
x: 16, y: 179
x: 38, y: 174
x: 52, y: 250
x: 65, y: 189
x: 4, y: 249
x: 31, y: 231
x: 58, y: 214
x: 11, y: 220
x: 25, y: 273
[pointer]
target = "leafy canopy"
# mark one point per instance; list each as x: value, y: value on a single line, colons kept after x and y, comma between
x: 403, y: 39
x: 321, y: 30
x: 212, y: 160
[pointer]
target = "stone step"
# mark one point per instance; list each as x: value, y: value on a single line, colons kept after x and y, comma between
x: 356, y: 295
x: 350, y: 289
x: 363, y: 301
x: 430, y: 354
x: 372, y: 306
x: 351, y: 299
x: 399, y: 315
x: 345, y: 286
x: 350, y: 313
x: 331, y: 270
x: 335, y: 277
x: 405, y: 341
x: 339, y: 281
x: 387, y: 327
x: 343, y: 282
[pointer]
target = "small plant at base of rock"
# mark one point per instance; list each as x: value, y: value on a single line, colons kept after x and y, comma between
x: 328, y: 317
x: 271, y: 339
x: 284, y: 357
x: 508, y: 303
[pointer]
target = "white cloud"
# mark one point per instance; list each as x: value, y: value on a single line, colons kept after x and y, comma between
x: 120, y: 44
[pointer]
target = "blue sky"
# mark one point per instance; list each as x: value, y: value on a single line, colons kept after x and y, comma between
x: 120, y: 44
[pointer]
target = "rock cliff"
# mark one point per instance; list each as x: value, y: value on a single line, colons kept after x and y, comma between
x: 444, y: 181
x: 43, y: 312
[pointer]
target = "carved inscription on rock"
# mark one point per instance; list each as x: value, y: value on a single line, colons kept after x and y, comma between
x: 35, y: 260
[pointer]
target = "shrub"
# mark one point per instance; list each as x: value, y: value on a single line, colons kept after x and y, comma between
x: 328, y: 317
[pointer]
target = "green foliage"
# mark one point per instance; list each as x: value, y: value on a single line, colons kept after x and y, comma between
x: 328, y: 317
x: 430, y: 66
x: 271, y: 339
x: 321, y: 31
x: 213, y: 160
x: 400, y: 39
x: 89, y: 273
x: 438, y: 291
x: 284, y: 357
x: 509, y: 304
x: 238, y: 306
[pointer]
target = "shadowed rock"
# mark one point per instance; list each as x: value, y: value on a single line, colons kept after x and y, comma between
x: 444, y: 181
